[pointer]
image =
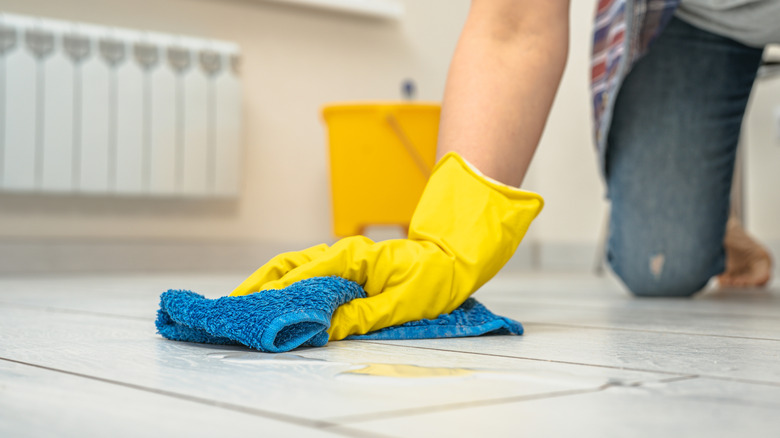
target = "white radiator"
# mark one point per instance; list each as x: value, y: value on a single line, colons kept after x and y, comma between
x: 90, y: 109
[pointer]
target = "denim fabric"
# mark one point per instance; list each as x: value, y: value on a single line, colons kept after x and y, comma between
x: 670, y: 158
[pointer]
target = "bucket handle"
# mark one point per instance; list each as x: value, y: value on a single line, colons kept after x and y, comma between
x: 408, y: 145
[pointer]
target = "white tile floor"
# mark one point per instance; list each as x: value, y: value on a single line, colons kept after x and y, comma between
x: 79, y: 357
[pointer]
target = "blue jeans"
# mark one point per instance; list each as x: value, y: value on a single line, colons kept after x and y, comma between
x: 670, y: 158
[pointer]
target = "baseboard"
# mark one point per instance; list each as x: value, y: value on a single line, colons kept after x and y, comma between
x: 588, y: 257
x: 774, y: 248
x: 67, y: 256
x: 23, y: 256
x: 565, y: 256
x: 77, y: 256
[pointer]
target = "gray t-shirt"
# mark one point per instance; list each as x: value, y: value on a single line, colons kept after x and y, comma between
x: 752, y: 22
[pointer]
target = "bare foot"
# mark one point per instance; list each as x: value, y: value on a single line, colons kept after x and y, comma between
x: 748, y: 264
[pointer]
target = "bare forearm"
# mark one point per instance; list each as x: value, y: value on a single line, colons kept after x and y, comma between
x: 502, y: 82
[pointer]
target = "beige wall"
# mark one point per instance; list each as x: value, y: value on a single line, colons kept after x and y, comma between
x: 761, y: 141
x: 294, y: 60
x: 565, y: 169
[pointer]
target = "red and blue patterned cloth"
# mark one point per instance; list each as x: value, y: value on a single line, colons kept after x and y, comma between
x: 623, y: 31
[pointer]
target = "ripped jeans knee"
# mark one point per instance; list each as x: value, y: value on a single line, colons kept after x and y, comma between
x: 663, y: 275
x: 671, y: 146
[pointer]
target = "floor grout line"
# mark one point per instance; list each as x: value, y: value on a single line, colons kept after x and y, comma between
x: 740, y: 380
x: 76, y: 311
x: 580, y: 305
x: 750, y: 381
x: 492, y: 402
x: 524, y: 358
x: 626, y: 329
x: 680, y: 379
x: 526, y: 323
x: 552, y: 324
x: 360, y: 418
x: 289, y: 419
x: 641, y: 370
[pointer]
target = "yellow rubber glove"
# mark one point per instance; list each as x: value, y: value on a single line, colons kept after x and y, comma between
x: 465, y: 228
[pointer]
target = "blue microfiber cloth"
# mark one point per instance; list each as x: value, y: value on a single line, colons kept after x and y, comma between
x: 276, y: 321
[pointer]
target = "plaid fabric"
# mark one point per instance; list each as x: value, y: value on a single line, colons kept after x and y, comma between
x: 623, y: 31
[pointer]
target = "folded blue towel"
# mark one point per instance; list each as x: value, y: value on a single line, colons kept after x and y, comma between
x: 280, y: 320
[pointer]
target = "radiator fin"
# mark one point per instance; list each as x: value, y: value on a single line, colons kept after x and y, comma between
x: 100, y: 110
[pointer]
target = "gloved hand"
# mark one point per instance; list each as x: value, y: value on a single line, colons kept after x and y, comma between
x: 465, y: 228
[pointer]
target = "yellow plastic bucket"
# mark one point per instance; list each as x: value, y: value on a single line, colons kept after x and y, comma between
x: 381, y: 155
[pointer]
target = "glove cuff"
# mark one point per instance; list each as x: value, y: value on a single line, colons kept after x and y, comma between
x: 477, y: 222
x: 510, y: 192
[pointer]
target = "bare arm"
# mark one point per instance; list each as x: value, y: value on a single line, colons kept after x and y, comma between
x: 502, y: 82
